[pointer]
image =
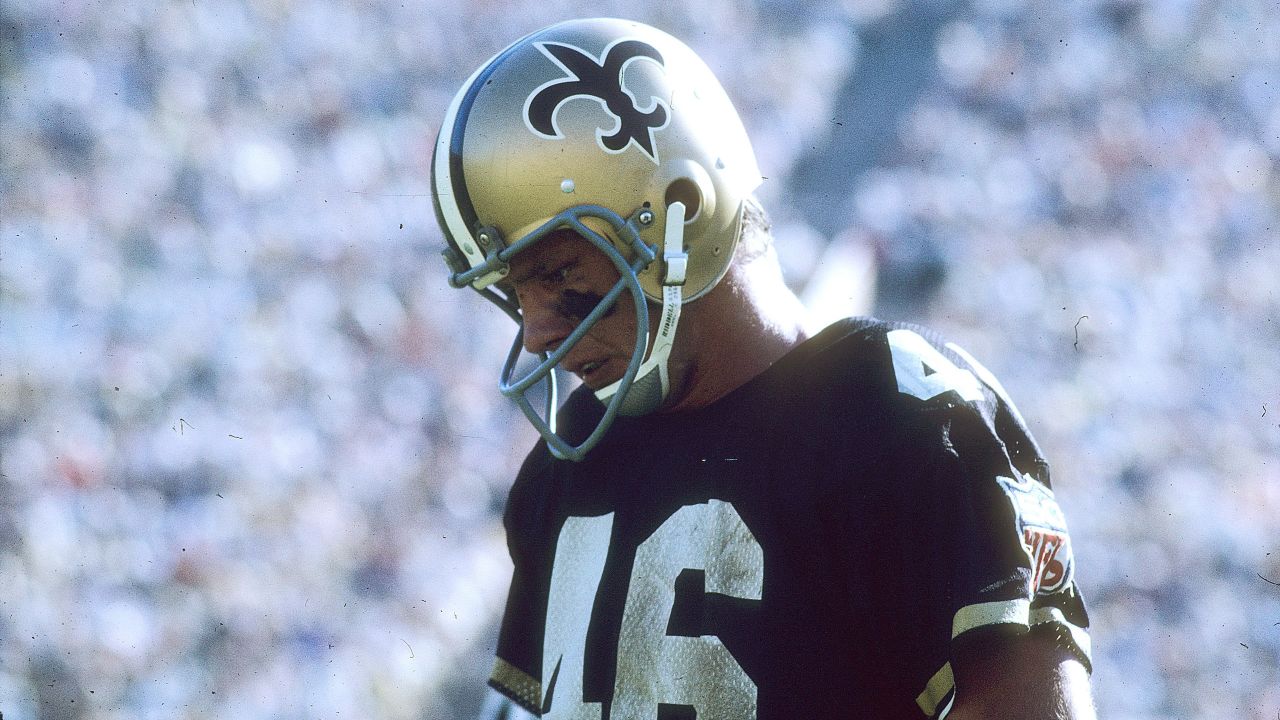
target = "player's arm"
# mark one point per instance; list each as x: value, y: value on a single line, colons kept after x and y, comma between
x: 1028, y: 676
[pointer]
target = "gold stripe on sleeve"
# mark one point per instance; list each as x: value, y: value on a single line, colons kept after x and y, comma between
x: 991, y: 613
x: 516, y: 682
x: 935, y: 690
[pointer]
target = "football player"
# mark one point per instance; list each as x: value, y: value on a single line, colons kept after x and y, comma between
x: 729, y: 518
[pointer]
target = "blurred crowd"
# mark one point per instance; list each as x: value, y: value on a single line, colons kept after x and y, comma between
x: 252, y: 455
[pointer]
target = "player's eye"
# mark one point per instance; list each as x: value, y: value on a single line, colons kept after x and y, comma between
x: 557, y: 275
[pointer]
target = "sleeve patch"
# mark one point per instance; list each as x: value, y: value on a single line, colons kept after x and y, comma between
x: 1042, y: 528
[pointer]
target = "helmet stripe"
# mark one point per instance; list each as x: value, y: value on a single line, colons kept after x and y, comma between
x: 459, y: 214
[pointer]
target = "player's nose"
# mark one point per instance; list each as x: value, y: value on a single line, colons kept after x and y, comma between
x: 545, y: 327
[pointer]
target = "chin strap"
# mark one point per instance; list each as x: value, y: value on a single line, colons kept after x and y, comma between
x: 652, y: 382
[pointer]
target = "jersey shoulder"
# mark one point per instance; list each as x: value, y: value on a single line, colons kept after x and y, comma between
x: 909, y: 359
x: 935, y: 382
x: 902, y: 365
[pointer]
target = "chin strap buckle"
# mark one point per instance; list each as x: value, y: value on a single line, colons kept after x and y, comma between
x: 674, y: 258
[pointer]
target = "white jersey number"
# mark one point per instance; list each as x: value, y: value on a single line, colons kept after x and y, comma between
x: 653, y: 667
x: 579, y: 563
x: 925, y: 373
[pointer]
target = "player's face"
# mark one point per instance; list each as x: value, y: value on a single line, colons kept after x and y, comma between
x: 558, y: 282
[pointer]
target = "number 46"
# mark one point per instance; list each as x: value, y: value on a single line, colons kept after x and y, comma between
x: 653, y: 667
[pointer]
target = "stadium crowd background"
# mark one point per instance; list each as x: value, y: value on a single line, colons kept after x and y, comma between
x: 252, y: 457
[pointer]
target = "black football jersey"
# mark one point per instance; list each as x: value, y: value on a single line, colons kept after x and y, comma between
x: 810, y: 545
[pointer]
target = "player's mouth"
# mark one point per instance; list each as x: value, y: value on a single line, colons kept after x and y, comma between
x: 594, y: 373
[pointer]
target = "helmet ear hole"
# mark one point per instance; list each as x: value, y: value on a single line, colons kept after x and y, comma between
x: 686, y: 191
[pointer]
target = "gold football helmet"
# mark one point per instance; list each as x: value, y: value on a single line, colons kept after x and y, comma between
x: 619, y: 132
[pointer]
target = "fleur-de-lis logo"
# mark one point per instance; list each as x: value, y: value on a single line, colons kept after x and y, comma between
x: 599, y: 79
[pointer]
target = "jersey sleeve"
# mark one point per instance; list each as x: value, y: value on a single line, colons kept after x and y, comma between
x: 981, y: 513
x: 517, y: 665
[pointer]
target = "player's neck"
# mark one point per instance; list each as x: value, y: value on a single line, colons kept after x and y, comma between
x: 734, y: 333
